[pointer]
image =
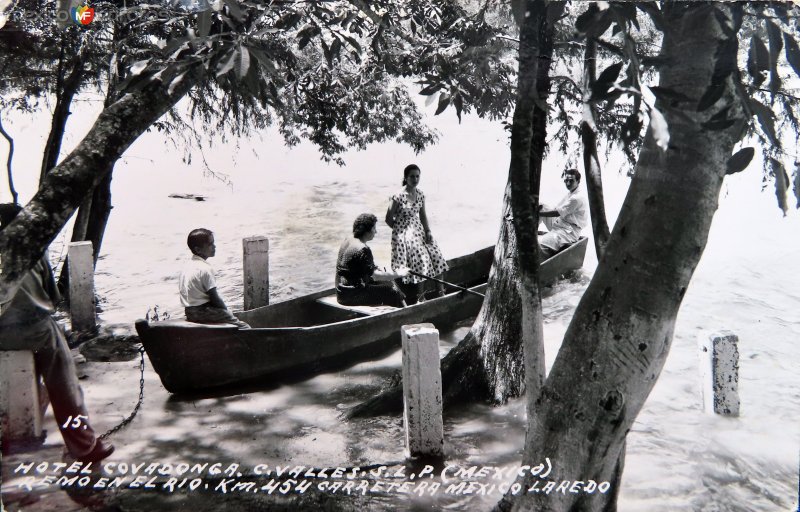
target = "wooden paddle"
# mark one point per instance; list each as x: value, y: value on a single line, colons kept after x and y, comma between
x: 445, y: 282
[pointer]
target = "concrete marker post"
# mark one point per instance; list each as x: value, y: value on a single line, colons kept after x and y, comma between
x: 422, y: 391
x: 19, y: 396
x: 256, y: 272
x: 81, y: 287
x: 719, y: 367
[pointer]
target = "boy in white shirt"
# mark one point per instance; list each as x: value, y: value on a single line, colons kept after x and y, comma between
x: 198, y: 287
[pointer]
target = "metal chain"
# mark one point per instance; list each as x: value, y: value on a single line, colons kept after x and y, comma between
x: 127, y: 420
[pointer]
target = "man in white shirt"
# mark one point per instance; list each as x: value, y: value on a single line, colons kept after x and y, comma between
x: 566, y: 221
x: 198, y: 287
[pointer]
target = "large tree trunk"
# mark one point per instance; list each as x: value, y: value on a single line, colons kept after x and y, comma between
x: 591, y: 162
x: 24, y: 241
x: 619, y: 338
x: 528, y: 143
x: 487, y: 364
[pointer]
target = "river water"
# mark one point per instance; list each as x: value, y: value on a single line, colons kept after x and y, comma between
x: 678, y: 457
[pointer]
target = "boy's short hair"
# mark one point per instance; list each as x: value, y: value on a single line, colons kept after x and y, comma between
x: 8, y: 211
x: 198, y: 237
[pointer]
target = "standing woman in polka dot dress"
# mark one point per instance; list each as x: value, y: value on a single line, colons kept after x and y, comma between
x: 413, y: 245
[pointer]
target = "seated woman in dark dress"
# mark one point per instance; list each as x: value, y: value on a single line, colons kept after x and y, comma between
x: 357, y: 275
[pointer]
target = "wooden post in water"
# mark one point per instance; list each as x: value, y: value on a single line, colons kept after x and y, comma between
x: 719, y: 366
x: 422, y: 391
x: 81, y: 287
x: 19, y: 396
x: 256, y: 272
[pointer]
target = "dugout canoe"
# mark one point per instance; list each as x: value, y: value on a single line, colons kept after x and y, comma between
x: 310, y: 334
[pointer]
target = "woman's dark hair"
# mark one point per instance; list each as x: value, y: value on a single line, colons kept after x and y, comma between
x: 7, y: 213
x: 408, y: 169
x: 363, y: 224
x: 198, y: 237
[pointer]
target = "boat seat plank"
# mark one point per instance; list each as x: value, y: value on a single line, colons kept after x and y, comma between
x: 330, y: 300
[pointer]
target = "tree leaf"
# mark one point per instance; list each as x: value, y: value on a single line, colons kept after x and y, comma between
x: 757, y: 60
x: 430, y: 99
x: 605, y: 81
x: 796, y: 186
x: 669, y: 95
x: 138, y: 66
x: 719, y: 125
x: 766, y: 118
x: 444, y: 100
x: 792, y: 53
x: 591, y: 21
x: 352, y: 42
x: 427, y: 91
x: 610, y: 74
x: 458, y: 102
x: 235, y: 10
x: 290, y: 20
x: 631, y: 128
x: 175, y: 81
x: 326, y: 51
x: 336, y: 47
x: 228, y: 65
x: 243, y: 62
x: 204, y: 23
x: 660, y: 129
x: 740, y: 160
x: 781, y: 184
x: 310, y: 30
x: 263, y: 59
x: 775, y: 47
x: 710, y: 97
x: 625, y: 11
x: 726, y: 60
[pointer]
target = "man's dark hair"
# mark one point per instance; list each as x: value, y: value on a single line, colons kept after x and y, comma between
x: 7, y: 213
x: 573, y: 172
x: 198, y: 237
x: 363, y: 224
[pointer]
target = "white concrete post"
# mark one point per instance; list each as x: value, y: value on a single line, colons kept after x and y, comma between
x: 719, y: 366
x: 422, y: 391
x: 19, y: 396
x: 81, y: 286
x: 256, y: 272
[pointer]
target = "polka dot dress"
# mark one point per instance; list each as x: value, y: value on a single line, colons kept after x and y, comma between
x: 408, y: 240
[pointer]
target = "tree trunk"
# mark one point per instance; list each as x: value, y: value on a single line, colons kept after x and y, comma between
x: 92, y: 218
x: 487, y: 364
x: 591, y: 163
x: 65, y: 92
x: 24, y: 241
x: 619, y: 338
x: 528, y: 143
x: 9, y: 160
x: 90, y: 224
